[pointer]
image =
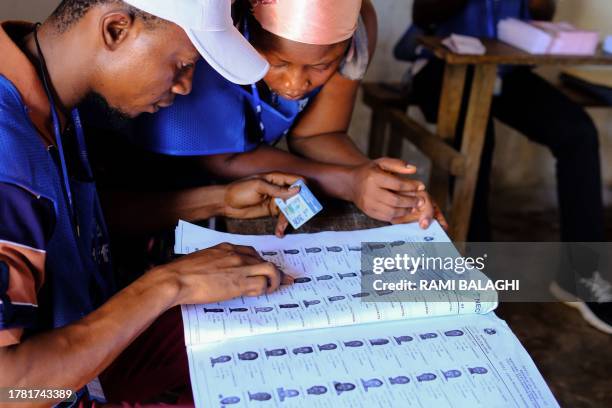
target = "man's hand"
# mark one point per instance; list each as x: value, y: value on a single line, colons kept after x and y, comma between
x: 254, y: 197
x: 221, y: 273
x: 212, y: 275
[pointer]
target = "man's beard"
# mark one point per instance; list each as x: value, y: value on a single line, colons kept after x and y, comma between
x: 96, y: 104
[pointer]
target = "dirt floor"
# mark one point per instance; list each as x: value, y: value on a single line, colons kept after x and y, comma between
x: 574, y: 358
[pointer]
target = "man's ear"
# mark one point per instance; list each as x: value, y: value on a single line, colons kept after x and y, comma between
x: 116, y: 27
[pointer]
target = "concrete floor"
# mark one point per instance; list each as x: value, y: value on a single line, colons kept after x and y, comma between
x: 575, y: 359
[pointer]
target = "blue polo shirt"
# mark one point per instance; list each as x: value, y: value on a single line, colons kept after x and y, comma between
x: 54, y: 258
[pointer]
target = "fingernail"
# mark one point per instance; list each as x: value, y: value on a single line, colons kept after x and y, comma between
x: 420, y: 202
x: 411, y: 167
x: 286, y: 278
x: 421, y: 188
x: 424, y: 224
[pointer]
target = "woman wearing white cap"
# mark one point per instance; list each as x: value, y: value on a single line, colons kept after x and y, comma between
x: 318, y: 51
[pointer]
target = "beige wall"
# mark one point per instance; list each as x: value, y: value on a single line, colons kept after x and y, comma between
x: 594, y: 14
x: 30, y: 10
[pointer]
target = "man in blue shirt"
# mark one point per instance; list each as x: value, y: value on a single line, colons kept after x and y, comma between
x: 532, y: 106
x: 63, y: 321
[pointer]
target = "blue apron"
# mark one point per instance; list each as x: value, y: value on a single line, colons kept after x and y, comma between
x: 79, y: 276
x: 218, y: 117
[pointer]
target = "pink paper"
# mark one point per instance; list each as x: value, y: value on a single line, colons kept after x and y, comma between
x: 541, y: 37
x: 569, y: 40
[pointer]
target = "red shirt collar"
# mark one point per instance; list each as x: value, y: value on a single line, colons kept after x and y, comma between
x: 17, y: 68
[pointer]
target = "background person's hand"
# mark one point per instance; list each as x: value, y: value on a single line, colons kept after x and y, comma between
x: 254, y: 197
x: 221, y: 273
x: 381, y: 190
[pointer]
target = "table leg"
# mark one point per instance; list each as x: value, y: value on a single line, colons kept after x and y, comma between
x: 438, y: 187
x: 448, y: 115
x: 378, y: 131
x: 477, y: 117
x: 395, y: 145
x: 450, y: 100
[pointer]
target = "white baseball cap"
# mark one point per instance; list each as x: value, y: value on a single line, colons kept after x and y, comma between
x: 209, y: 26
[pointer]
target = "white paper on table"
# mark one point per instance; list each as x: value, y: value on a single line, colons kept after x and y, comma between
x: 544, y: 37
x: 190, y: 237
x: 524, y: 36
x: 333, y: 274
x: 467, y: 361
x: 463, y: 44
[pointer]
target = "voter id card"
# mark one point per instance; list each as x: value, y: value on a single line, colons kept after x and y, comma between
x: 301, y: 207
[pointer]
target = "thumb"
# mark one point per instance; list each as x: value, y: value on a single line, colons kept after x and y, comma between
x: 281, y: 226
x: 272, y: 190
x: 396, y: 166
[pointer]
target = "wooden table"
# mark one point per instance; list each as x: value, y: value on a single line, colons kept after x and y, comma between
x: 336, y: 216
x: 479, y: 107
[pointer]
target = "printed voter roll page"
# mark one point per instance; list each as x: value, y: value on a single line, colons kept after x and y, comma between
x: 191, y: 237
x: 471, y: 361
x: 327, y: 291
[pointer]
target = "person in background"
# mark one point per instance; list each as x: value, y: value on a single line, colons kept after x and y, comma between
x: 318, y: 58
x: 63, y: 321
x: 531, y: 105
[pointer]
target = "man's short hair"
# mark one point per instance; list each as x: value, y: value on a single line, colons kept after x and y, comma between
x: 71, y: 11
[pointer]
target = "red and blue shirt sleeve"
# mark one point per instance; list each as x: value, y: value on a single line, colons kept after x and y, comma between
x: 26, y: 224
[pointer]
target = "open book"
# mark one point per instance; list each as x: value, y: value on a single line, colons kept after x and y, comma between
x: 324, y: 342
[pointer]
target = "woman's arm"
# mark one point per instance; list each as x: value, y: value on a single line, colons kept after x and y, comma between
x: 321, y: 133
x: 377, y: 188
x: 332, y: 179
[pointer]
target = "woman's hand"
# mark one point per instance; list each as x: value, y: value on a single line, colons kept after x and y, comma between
x: 381, y: 191
x: 424, y: 214
x: 254, y: 197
